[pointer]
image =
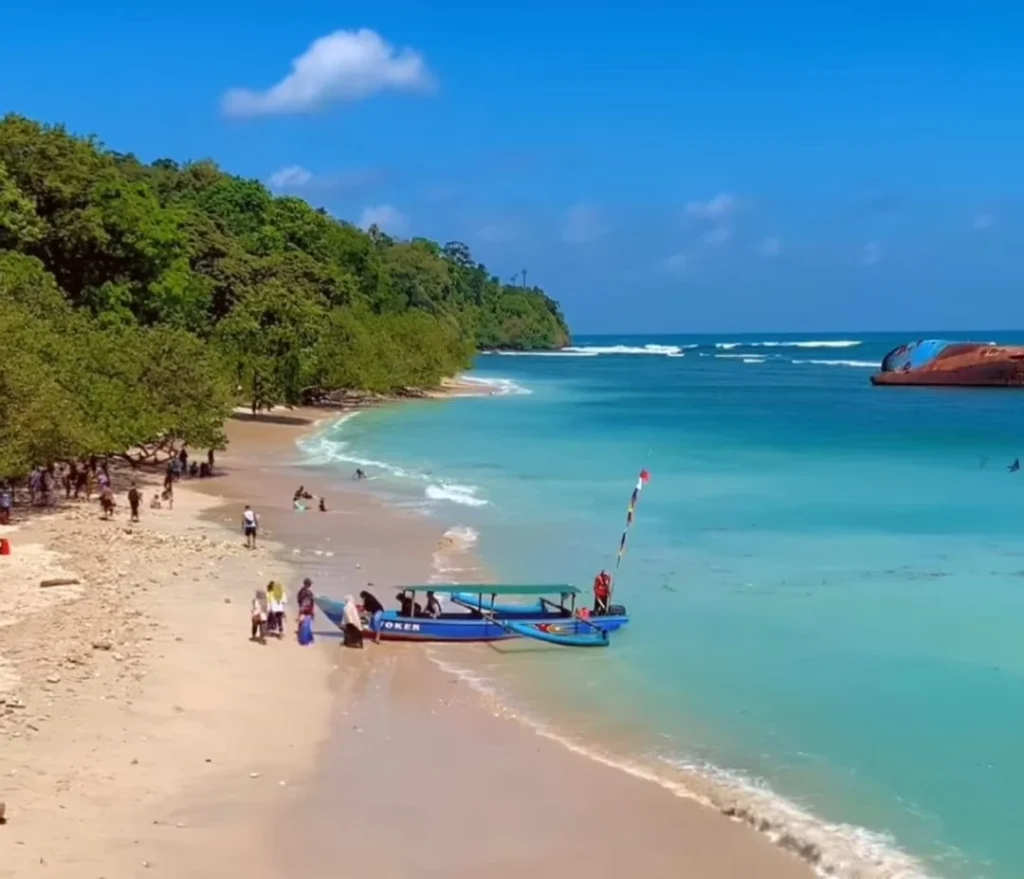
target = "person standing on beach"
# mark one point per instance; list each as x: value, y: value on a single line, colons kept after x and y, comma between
x: 259, y: 617
x: 250, y: 525
x: 276, y: 604
x: 6, y: 502
x: 134, y: 501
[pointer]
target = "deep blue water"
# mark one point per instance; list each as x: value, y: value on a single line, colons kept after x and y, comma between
x: 826, y: 578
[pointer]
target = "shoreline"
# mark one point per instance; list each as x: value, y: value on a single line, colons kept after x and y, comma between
x: 225, y: 688
x: 826, y: 846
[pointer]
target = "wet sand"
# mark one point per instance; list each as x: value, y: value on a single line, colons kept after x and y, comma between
x: 322, y: 761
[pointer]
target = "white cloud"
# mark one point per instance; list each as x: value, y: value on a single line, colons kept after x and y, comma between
x: 292, y: 177
x: 872, y: 253
x: 983, y: 221
x: 715, y: 209
x: 770, y: 246
x: 717, y: 236
x: 385, y: 217
x: 342, y: 66
x: 583, y: 223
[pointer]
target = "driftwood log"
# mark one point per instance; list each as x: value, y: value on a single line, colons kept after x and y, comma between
x: 58, y: 581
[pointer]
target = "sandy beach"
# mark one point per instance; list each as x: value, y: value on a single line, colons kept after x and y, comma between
x: 142, y: 733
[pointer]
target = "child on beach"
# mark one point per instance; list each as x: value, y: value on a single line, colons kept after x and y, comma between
x: 259, y: 617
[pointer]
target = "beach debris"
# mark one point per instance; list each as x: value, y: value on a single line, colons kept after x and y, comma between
x: 53, y: 679
x: 3, y: 813
x: 254, y: 775
x: 227, y: 600
x: 59, y: 581
x: 103, y: 644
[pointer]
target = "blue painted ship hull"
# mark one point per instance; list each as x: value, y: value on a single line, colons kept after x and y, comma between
x: 465, y: 627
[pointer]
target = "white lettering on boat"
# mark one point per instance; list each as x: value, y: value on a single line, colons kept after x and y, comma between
x: 402, y: 627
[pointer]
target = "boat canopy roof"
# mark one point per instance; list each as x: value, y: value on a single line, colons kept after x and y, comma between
x: 495, y: 589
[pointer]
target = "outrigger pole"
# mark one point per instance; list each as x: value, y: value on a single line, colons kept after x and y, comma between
x: 641, y: 481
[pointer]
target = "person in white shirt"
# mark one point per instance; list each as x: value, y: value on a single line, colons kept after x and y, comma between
x: 250, y: 525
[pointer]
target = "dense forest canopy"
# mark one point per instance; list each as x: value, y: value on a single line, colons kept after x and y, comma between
x: 139, y: 302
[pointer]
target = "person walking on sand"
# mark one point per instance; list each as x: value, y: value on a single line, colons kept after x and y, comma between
x: 250, y: 525
x: 134, y: 501
x: 259, y: 617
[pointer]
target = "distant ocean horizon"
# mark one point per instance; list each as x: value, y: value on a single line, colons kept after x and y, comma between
x: 826, y: 579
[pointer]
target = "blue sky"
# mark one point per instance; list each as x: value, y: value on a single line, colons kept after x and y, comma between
x: 734, y: 166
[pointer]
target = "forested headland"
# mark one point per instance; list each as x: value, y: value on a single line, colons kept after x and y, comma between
x: 140, y: 302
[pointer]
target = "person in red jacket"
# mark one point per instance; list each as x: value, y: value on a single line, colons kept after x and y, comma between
x: 602, y: 592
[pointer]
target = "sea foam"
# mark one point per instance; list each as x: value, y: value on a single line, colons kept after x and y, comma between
x: 457, y: 494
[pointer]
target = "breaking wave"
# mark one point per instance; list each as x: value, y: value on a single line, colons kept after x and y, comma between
x: 457, y: 494
x: 860, y: 364
x: 498, y: 387
x: 328, y: 448
x: 813, y: 343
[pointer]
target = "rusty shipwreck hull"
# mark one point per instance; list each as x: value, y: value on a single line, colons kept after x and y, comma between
x: 937, y: 362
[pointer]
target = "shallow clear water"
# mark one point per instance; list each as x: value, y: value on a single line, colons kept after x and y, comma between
x: 826, y: 579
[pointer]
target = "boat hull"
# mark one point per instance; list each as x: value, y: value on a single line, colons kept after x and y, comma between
x: 467, y: 628
x: 937, y: 363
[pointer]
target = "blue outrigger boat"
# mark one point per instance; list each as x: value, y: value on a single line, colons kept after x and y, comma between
x: 482, y: 618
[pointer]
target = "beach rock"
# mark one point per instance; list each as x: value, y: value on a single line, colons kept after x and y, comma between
x: 53, y: 679
x: 3, y: 813
x: 102, y: 644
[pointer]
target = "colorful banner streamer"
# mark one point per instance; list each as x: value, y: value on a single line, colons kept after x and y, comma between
x: 643, y: 479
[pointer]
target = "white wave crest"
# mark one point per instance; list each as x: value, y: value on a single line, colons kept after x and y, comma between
x: 595, y: 350
x: 546, y: 353
x: 499, y: 387
x: 744, y: 357
x: 859, y: 364
x: 812, y: 343
x: 455, y: 493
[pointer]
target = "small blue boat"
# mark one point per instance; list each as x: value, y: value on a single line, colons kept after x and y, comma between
x: 551, y: 617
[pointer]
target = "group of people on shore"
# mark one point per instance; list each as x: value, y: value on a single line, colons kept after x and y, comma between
x: 82, y: 478
x: 269, y: 608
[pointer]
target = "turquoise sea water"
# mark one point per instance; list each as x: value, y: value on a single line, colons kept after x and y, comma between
x: 826, y: 579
